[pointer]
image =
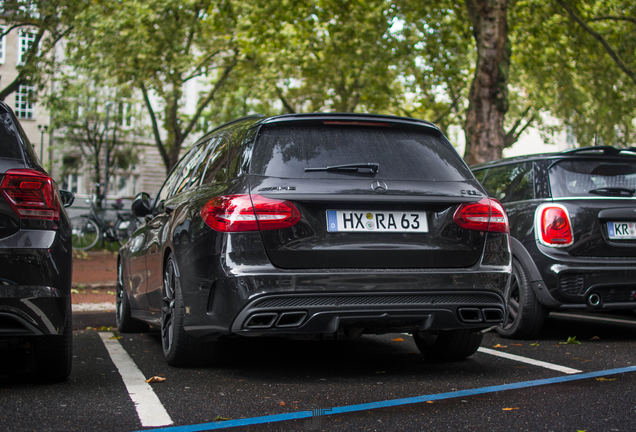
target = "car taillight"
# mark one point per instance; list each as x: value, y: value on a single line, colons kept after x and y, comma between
x: 485, y: 215
x: 31, y: 194
x: 553, y: 225
x: 233, y: 213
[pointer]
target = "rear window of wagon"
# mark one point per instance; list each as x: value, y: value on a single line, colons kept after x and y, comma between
x: 402, y: 154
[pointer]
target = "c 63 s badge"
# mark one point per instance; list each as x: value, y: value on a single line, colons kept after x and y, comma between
x: 470, y: 192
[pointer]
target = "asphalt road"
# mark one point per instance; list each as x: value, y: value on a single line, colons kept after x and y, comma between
x: 373, y: 383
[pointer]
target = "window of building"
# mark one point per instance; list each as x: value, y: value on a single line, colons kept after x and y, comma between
x: 70, y: 183
x: 25, y: 40
x: 23, y: 105
x: 3, y: 44
x: 126, y: 113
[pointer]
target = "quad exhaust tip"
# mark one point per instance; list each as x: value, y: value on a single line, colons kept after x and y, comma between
x: 594, y: 300
x: 475, y: 315
x: 267, y: 320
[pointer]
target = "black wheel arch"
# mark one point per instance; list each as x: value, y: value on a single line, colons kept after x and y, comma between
x: 521, y: 254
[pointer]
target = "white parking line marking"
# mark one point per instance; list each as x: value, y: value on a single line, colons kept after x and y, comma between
x: 534, y: 362
x: 592, y: 318
x: 149, y: 409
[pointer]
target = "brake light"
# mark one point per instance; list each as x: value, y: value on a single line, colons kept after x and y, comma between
x: 553, y: 225
x: 31, y: 194
x: 233, y: 213
x: 485, y: 215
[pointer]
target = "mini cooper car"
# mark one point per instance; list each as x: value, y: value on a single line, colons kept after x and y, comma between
x: 573, y: 231
x: 317, y: 224
x: 35, y: 256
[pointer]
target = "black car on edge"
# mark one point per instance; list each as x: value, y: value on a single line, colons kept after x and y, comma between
x: 317, y: 224
x: 573, y: 231
x: 35, y: 257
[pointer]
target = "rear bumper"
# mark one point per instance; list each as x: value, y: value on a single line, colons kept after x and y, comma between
x: 328, y: 302
x: 328, y: 313
x: 570, y: 281
x: 32, y: 310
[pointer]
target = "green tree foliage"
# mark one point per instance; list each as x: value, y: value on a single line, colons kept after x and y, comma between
x: 93, y: 114
x: 49, y: 21
x: 159, y: 46
x: 562, y: 68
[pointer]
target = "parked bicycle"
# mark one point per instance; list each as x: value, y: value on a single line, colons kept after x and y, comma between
x: 90, y: 228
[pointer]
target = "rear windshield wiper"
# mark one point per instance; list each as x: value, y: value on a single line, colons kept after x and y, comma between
x: 612, y: 191
x: 373, y: 167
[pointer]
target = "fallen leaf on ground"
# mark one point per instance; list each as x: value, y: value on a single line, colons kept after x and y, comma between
x: 429, y: 401
x: 605, y: 379
x: 500, y: 346
x: 282, y: 403
x: 110, y: 292
x: 155, y: 379
x: 95, y: 291
x: 571, y: 341
x: 596, y: 338
x: 534, y: 344
x: 517, y: 344
x: 398, y: 340
x: 508, y: 409
x: 74, y: 291
x: 219, y: 418
x: 380, y: 372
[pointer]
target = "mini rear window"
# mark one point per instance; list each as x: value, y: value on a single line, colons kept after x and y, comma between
x: 402, y: 154
x: 575, y: 178
x: 9, y: 141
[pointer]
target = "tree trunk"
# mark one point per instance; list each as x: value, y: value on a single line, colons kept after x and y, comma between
x: 488, y: 100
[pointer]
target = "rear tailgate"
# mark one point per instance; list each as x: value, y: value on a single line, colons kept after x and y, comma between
x: 602, y: 227
x: 400, y: 217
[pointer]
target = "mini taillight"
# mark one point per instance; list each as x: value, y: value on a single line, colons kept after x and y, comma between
x: 31, y: 194
x: 233, y: 213
x: 485, y: 215
x: 553, y: 225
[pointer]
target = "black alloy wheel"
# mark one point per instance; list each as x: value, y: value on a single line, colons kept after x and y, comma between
x: 170, y: 281
x: 125, y: 322
x: 179, y: 348
x: 525, y: 314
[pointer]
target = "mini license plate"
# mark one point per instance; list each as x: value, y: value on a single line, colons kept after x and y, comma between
x: 621, y: 230
x: 376, y: 221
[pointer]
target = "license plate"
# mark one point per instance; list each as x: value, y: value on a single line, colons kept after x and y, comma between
x: 376, y: 221
x: 621, y: 230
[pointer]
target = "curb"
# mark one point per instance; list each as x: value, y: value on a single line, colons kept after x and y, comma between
x: 95, y: 319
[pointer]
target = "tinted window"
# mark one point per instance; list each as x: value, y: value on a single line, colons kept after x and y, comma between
x: 579, y: 177
x: 190, y: 170
x: 510, y: 182
x: 402, y: 154
x: 479, y: 175
x: 172, y: 179
x: 216, y: 167
x: 9, y: 141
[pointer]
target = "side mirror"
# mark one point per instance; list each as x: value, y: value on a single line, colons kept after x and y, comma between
x: 141, y: 205
x: 67, y: 197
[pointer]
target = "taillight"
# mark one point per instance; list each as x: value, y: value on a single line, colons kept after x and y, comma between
x: 31, y: 194
x: 553, y: 226
x: 233, y: 213
x: 485, y: 215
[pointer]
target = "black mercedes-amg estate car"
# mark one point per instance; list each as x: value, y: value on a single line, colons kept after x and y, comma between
x: 317, y: 224
x: 35, y: 257
x: 573, y: 231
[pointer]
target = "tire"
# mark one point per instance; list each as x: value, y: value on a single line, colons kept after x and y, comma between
x: 54, y: 353
x: 448, y: 345
x: 125, y: 322
x: 86, y: 233
x: 179, y: 348
x: 525, y: 314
